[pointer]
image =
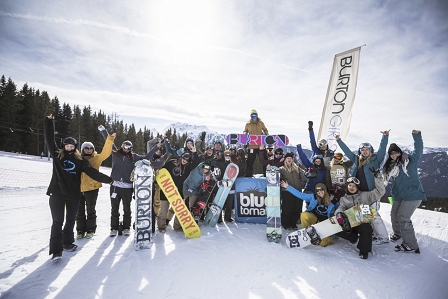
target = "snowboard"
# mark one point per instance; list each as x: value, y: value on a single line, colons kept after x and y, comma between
x: 356, y: 215
x: 204, y: 199
x: 245, y: 139
x: 273, y: 221
x: 224, y: 186
x: 143, y: 178
x: 166, y: 183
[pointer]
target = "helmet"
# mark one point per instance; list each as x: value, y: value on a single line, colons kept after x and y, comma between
x: 322, y: 142
x: 69, y: 140
x: 365, y: 144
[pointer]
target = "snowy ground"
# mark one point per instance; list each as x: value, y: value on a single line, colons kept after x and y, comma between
x: 230, y: 261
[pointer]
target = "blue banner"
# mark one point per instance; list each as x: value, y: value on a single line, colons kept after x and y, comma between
x: 250, y: 194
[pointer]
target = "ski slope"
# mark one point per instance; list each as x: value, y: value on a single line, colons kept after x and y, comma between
x: 228, y: 261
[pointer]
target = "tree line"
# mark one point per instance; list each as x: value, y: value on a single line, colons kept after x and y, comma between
x: 23, y: 112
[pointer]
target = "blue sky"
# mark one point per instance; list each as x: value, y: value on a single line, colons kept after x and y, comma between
x: 211, y: 62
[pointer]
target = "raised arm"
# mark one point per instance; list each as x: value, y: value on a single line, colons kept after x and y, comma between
x: 303, y: 156
x: 49, y: 135
x: 418, y: 144
x: 350, y: 155
x: 107, y: 148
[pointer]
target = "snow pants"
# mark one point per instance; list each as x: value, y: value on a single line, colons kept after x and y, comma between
x: 291, y: 207
x: 400, y: 215
x: 87, y: 223
x: 62, y: 236
x: 161, y: 219
x: 379, y: 229
x: 362, y: 232
x: 252, y: 154
x: 307, y: 219
x: 121, y: 195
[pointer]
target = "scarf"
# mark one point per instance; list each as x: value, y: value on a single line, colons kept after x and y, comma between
x: 394, y: 168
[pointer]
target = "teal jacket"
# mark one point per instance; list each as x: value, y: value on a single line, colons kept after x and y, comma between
x: 375, y: 161
x: 409, y: 187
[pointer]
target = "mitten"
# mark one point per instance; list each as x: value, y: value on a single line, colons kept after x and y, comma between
x: 376, y: 173
x: 310, y: 125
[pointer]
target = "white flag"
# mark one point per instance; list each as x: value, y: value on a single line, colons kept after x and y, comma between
x: 341, y: 92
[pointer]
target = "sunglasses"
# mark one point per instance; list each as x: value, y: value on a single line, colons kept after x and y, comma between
x: 89, y: 148
x: 353, y: 180
x: 227, y: 155
x: 270, y: 149
x: 319, y: 189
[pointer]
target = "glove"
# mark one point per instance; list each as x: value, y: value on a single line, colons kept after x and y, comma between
x: 376, y: 173
x: 310, y: 125
x: 343, y: 222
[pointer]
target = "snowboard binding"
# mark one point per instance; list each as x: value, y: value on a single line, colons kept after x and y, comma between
x: 315, y: 239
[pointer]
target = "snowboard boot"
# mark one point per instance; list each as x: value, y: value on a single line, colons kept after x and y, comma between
x: 89, y: 235
x: 80, y: 235
x: 394, y: 237
x: 70, y: 248
x: 56, y: 257
x: 113, y: 232
x: 363, y: 255
x: 126, y: 232
x: 406, y: 248
x: 315, y: 239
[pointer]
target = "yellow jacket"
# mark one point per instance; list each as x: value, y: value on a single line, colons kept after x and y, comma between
x: 87, y: 183
x: 255, y: 128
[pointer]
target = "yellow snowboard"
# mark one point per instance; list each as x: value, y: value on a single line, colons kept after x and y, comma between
x: 166, y: 183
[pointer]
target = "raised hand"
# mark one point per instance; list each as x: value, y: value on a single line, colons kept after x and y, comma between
x: 385, y: 133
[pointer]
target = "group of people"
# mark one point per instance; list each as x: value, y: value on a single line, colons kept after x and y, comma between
x: 328, y: 184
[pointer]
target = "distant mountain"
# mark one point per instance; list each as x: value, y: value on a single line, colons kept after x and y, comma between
x: 195, y: 132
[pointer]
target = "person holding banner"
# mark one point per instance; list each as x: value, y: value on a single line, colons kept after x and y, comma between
x: 320, y: 149
x: 254, y: 127
x: 365, y: 160
x: 407, y: 192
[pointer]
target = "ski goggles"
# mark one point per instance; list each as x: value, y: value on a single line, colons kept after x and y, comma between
x: 339, y: 157
x: 254, y: 115
x: 126, y: 146
x: 322, y: 143
x: 353, y: 180
x: 365, y: 144
x: 205, y: 166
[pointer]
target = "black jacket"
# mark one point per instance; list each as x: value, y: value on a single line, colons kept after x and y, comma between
x: 66, y: 178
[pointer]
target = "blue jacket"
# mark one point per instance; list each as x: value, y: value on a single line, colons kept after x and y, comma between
x: 192, y: 185
x: 321, y: 172
x: 312, y: 200
x: 327, y: 155
x: 375, y: 161
x: 409, y: 187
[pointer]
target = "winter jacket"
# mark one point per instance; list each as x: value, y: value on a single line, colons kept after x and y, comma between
x: 362, y: 197
x: 321, y: 171
x: 192, y: 185
x: 255, y: 128
x: 87, y: 183
x: 409, y: 187
x: 66, y: 177
x: 122, y: 165
x: 327, y: 154
x: 311, y: 199
x: 296, y: 179
x: 159, y: 162
x: 375, y: 162
x: 274, y: 162
x: 338, y: 173
x: 179, y: 173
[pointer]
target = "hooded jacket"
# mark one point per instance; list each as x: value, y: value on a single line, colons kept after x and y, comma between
x: 87, y: 183
x: 321, y: 171
x: 255, y: 128
x: 311, y: 198
x: 66, y: 177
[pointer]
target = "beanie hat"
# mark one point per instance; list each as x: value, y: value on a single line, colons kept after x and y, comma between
x: 85, y: 144
x: 318, y: 157
x: 186, y: 156
x: 69, y: 140
x: 289, y: 155
x: 393, y: 147
x: 320, y: 185
x: 253, y: 111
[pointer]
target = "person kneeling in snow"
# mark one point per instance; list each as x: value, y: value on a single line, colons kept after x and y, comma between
x: 321, y: 206
x: 355, y: 197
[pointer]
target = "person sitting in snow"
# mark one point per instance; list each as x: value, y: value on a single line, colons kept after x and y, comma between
x: 321, y: 206
x: 354, y: 197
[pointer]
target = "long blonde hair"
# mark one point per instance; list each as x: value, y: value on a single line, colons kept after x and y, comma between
x: 291, y: 168
x: 363, y: 161
x: 61, y: 154
x: 326, y: 199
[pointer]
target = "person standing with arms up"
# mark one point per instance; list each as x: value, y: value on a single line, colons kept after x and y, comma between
x: 65, y: 189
